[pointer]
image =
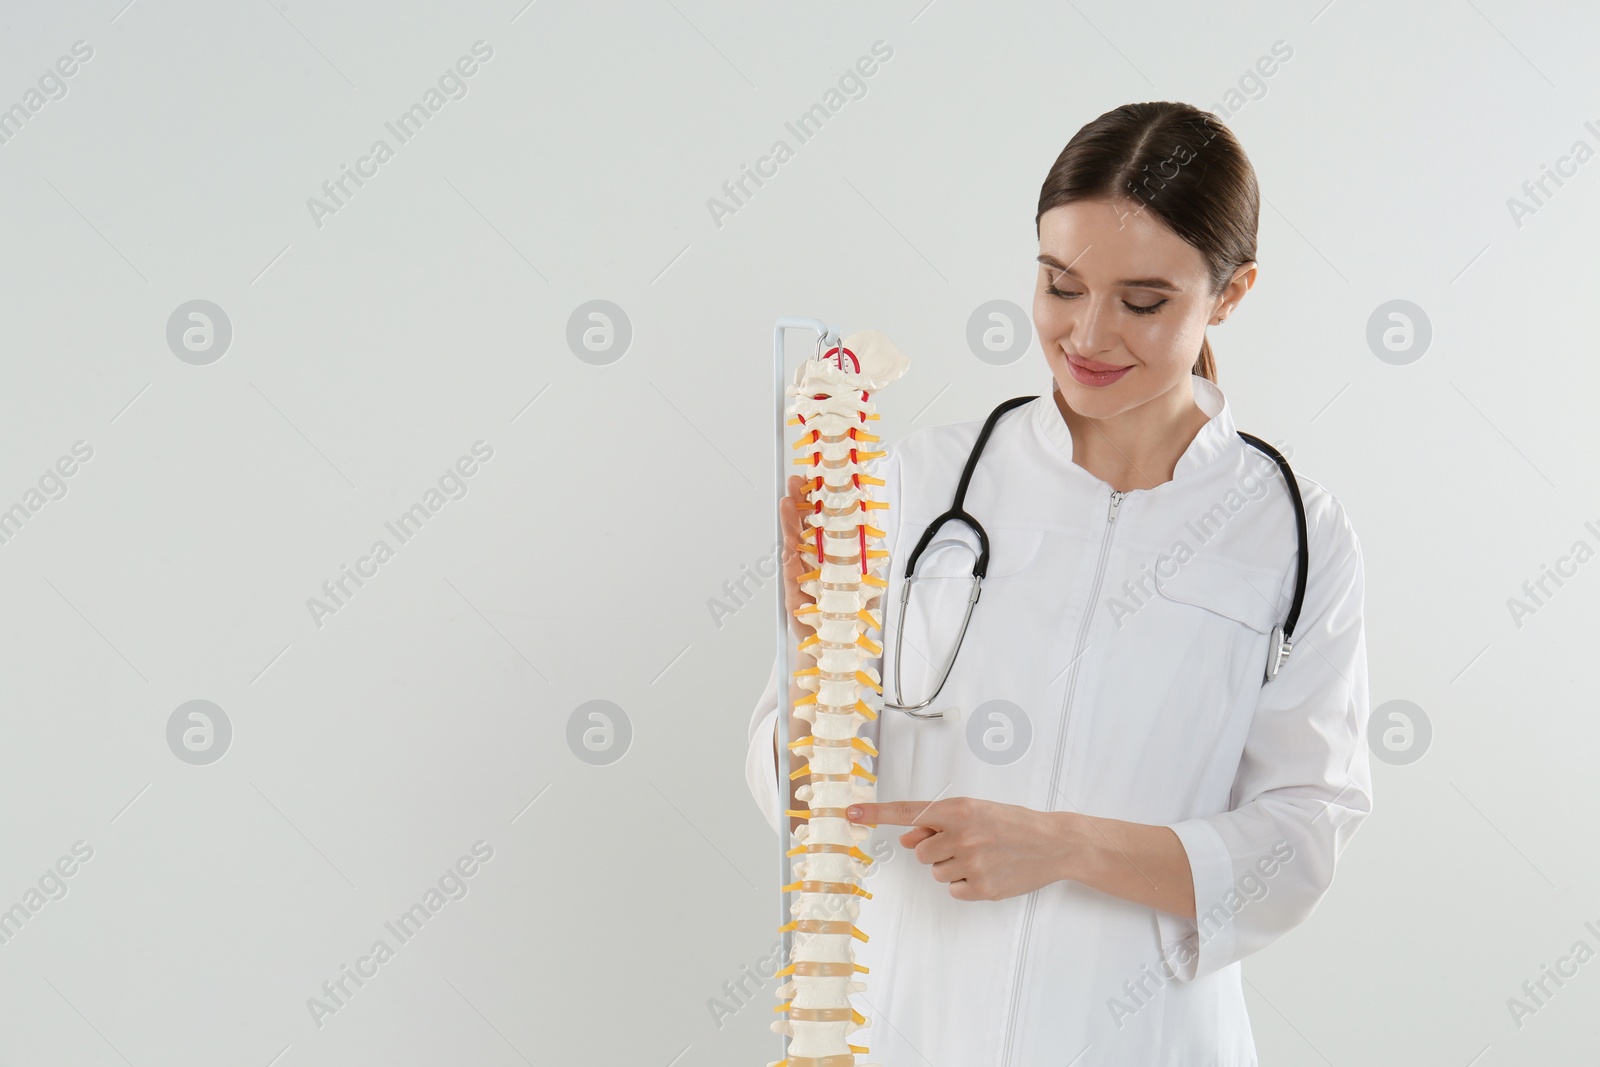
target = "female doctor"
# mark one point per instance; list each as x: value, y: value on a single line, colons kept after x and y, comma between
x: 1116, y: 805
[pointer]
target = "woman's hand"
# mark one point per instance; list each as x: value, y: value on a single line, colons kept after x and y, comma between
x: 794, y: 563
x: 984, y: 849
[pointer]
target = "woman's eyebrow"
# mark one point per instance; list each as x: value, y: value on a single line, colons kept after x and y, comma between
x: 1126, y: 283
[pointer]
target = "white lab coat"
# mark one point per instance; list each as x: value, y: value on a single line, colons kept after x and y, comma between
x: 1146, y: 702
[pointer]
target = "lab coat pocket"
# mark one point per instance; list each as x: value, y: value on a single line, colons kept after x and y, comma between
x: 1242, y: 593
x: 1224, y: 611
x: 940, y: 590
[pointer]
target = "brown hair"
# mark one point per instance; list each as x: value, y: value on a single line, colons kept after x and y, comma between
x: 1180, y: 162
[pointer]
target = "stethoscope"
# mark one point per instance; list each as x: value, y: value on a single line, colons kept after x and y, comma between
x: 1278, y: 649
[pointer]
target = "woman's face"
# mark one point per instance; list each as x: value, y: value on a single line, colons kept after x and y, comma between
x: 1120, y: 293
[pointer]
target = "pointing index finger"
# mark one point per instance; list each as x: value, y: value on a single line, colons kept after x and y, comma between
x: 897, y: 813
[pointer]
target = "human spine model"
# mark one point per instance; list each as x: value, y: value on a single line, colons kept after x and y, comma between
x: 832, y: 403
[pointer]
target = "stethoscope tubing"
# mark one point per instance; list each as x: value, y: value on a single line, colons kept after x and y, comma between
x: 1280, y: 644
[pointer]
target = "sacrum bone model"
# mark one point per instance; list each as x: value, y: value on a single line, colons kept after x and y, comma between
x: 832, y: 402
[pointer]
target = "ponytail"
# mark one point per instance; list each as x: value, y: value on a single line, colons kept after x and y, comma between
x: 1205, y: 366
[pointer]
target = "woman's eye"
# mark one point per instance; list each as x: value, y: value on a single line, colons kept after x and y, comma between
x: 1137, y: 309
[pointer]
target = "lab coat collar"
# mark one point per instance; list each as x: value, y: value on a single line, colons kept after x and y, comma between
x: 1215, y: 437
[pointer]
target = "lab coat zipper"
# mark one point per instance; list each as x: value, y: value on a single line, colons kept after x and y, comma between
x: 1055, y: 769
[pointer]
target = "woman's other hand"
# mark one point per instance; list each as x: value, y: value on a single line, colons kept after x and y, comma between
x: 795, y: 563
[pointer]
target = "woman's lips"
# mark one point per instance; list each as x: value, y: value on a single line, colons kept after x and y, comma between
x: 1090, y: 372
x: 1089, y: 364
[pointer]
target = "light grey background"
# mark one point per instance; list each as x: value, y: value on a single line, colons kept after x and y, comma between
x: 370, y: 353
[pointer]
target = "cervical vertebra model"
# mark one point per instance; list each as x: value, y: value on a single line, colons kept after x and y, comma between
x: 832, y: 405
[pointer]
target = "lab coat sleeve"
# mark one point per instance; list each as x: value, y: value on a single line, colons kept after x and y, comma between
x: 1303, y: 785
x: 760, y: 763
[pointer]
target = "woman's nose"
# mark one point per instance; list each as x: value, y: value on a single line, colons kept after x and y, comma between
x: 1092, y: 333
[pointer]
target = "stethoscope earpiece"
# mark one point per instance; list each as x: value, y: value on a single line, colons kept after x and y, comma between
x: 1277, y: 652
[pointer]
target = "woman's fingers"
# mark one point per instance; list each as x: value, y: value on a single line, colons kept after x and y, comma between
x: 794, y: 563
x: 952, y: 871
x: 936, y: 848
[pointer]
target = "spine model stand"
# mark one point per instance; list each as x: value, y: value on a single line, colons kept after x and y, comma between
x: 832, y: 405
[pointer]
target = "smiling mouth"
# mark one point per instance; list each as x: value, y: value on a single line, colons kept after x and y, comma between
x: 1091, y: 365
